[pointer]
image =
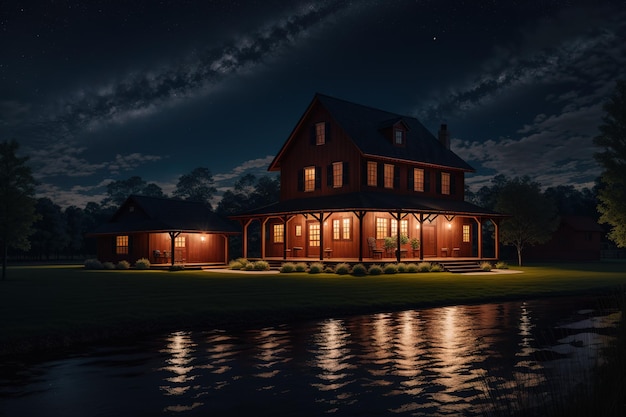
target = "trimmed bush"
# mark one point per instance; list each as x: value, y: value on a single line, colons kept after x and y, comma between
x: 412, y: 268
x: 436, y: 268
x: 248, y: 267
x: 342, y: 268
x: 316, y: 268
x: 329, y: 270
x: 375, y: 269
x: 358, y: 270
x: 287, y: 267
x: 108, y: 265
x: 424, y: 267
x: 142, y: 263
x: 301, y: 267
x: 236, y: 264
x: 177, y: 267
x: 261, y: 266
x: 122, y: 265
x: 502, y: 265
x: 390, y: 269
x: 93, y: 264
x: 401, y: 267
x: 485, y: 266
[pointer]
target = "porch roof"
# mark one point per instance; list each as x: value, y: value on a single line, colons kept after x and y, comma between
x: 370, y: 202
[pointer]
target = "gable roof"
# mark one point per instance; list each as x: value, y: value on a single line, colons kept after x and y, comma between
x: 364, y: 126
x: 157, y: 214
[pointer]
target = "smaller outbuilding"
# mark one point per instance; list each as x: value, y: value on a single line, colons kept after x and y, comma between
x: 578, y: 238
x: 165, y: 231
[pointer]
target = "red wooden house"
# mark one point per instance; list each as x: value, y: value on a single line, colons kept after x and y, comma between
x: 352, y: 176
x: 165, y: 231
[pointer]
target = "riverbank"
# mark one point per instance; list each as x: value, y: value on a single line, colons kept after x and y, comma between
x: 52, y: 308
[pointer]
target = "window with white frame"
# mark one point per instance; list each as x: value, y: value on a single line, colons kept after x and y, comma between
x: 372, y: 173
x: 466, y: 233
x: 418, y: 179
x: 279, y: 233
x: 337, y: 174
x: 314, y: 234
x: 382, y: 227
x: 341, y: 229
x: 309, y: 178
x: 445, y: 183
x: 398, y: 136
x: 404, y: 227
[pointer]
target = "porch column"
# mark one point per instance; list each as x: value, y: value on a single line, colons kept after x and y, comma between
x: 480, y: 237
x: 421, y: 220
x: 263, y: 224
x: 244, y: 237
x: 322, y: 237
x: 173, y: 236
x: 360, y: 215
x: 496, y: 225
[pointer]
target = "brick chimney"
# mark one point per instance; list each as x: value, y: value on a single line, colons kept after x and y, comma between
x: 444, y: 136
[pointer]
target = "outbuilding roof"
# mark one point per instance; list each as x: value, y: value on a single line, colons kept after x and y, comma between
x: 155, y: 214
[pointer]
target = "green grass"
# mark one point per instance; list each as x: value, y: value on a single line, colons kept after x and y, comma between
x: 54, y: 306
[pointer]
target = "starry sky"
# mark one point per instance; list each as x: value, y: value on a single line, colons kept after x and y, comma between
x: 98, y: 91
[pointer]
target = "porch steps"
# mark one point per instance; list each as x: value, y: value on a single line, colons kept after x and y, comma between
x: 460, y: 267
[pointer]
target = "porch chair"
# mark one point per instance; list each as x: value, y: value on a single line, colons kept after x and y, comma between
x: 375, y: 252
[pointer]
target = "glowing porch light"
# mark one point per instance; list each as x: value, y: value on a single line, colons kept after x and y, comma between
x: 202, y: 238
x: 449, y: 225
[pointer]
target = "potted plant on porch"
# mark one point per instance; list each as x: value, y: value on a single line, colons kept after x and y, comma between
x: 415, y: 245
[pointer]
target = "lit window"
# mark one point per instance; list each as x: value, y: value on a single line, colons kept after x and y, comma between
x: 337, y: 174
x: 121, y: 245
x: 404, y: 227
x: 388, y: 176
x: 309, y: 178
x: 336, y: 229
x: 466, y: 233
x: 314, y: 234
x: 445, y: 183
x: 418, y: 179
x: 371, y: 173
x: 346, y: 228
x: 381, y: 227
x: 320, y: 133
x: 179, y: 242
x: 398, y: 136
x: 279, y: 233
x: 298, y: 230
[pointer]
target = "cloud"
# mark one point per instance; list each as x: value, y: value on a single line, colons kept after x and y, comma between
x: 258, y: 166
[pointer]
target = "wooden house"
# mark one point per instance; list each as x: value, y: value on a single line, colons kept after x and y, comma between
x: 578, y: 238
x: 354, y: 177
x: 165, y: 231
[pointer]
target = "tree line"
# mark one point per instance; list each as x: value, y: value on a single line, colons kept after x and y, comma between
x: 40, y: 229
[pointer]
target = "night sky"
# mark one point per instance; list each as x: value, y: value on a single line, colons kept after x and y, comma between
x: 97, y: 91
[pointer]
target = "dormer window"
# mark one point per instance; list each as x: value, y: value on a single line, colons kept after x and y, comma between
x: 320, y: 133
x: 398, y: 136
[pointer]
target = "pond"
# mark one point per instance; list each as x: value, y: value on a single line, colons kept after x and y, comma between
x: 456, y: 360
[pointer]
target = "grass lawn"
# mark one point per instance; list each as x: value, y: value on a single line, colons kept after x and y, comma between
x: 44, y: 307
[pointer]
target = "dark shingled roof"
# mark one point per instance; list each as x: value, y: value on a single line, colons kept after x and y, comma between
x: 372, y: 201
x: 364, y: 125
x: 155, y: 214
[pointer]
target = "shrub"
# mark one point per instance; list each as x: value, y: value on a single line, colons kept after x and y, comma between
x: 342, y: 268
x: 390, y: 269
x: 287, y: 267
x: 316, y: 268
x: 108, y: 265
x: 122, y: 265
x: 424, y: 267
x: 412, y: 268
x: 177, y: 267
x: 93, y: 264
x: 261, y: 266
x: 485, y: 266
x: 142, y: 263
x: 329, y: 270
x: 235, y: 264
x: 375, y: 269
x: 248, y: 267
x: 358, y: 270
x: 401, y: 267
x: 502, y: 265
x: 436, y: 268
x: 301, y: 267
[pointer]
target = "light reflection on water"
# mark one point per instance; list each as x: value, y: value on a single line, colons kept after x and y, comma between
x: 442, y: 361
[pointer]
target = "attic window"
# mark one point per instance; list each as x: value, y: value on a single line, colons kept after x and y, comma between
x: 320, y: 133
x: 398, y: 137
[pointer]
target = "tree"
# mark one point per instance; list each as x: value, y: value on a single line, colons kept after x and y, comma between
x: 50, y: 234
x: 17, y: 204
x: 196, y: 186
x: 118, y: 191
x: 533, y: 215
x: 612, y: 187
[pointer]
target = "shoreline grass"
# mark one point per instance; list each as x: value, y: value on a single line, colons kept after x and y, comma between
x: 49, y: 308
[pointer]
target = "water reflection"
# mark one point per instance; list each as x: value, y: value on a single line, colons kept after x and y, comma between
x: 456, y: 360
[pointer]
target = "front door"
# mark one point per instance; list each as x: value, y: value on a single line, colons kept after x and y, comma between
x: 313, y: 239
x: 429, y: 246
